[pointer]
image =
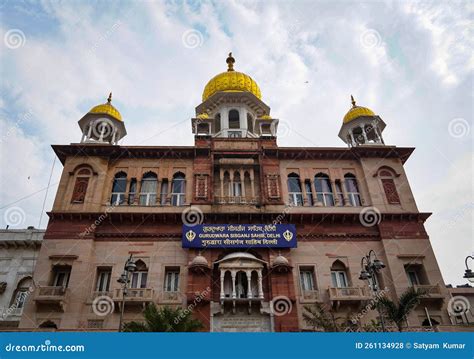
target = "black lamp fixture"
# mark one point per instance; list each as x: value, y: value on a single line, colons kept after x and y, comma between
x: 468, y: 274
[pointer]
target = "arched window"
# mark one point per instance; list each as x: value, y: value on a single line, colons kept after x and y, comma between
x: 178, y: 192
x: 294, y: 190
x: 389, y: 187
x: 22, y: 291
x: 80, y: 186
x: 148, y: 189
x: 323, y: 189
x: 234, y: 119
x: 339, y: 275
x: 236, y: 185
x: 119, y: 188
x: 140, y: 276
x: 352, y: 190
x: 217, y: 123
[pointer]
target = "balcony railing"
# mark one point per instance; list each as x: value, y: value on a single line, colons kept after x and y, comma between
x: 430, y: 290
x: 6, y: 312
x: 349, y: 293
x: 138, y: 295
x: 310, y: 295
x: 240, y: 200
x: 51, y: 292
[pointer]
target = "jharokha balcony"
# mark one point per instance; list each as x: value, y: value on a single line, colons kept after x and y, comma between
x: 52, y: 296
x: 348, y: 295
x: 134, y: 296
x: 238, y: 200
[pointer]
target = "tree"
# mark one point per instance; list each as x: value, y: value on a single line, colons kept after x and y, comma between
x: 320, y: 316
x: 164, y: 319
x: 397, y: 313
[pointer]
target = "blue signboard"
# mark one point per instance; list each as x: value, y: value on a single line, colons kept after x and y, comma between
x: 239, y: 236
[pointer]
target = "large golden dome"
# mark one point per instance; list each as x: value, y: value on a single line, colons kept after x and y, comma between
x: 107, y: 109
x: 231, y: 81
x: 357, y: 111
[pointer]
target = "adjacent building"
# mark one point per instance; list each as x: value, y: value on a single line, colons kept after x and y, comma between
x: 19, y: 249
x: 242, y: 231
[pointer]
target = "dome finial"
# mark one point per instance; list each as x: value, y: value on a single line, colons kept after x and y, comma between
x: 353, y: 101
x: 230, y: 62
x: 109, y: 100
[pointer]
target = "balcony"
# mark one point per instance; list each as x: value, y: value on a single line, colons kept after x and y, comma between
x: 7, y: 313
x: 433, y: 292
x: 237, y: 200
x: 348, y: 295
x: 310, y: 296
x: 52, y: 296
x: 134, y: 296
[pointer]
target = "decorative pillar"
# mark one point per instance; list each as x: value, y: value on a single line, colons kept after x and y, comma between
x: 303, y: 191
x: 222, y: 284
x: 352, y: 138
x: 364, y: 134
x: 221, y: 176
x: 242, y: 183
x: 249, y: 283
x: 344, y: 193
x: 89, y: 133
x: 252, y: 183
x: 260, y: 285
x: 234, y: 276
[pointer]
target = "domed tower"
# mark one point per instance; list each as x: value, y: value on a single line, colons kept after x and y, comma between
x: 361, y: 126
x: 232, y: 107
x: 102, y: 124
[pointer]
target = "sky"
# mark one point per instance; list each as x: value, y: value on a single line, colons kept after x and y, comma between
x: 410, y: 62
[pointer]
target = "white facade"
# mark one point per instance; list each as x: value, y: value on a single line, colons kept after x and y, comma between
x: 19, y: 249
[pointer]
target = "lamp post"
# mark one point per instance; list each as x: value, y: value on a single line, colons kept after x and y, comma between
x: 124, y: 280
x: 468, y: 274
x: 370, y: 266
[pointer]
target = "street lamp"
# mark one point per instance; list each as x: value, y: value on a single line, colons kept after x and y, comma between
x: 468, y: 274
x: 124, y: 279
x: 370, y: 266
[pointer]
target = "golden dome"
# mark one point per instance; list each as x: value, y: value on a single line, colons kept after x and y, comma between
x: 107, y: 109
x: 357, y: 111
x: 231, y: 81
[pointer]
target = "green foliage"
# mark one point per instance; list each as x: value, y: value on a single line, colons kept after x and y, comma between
x: 164, y: 319
x: 319, y: 316
x: 397, y: 313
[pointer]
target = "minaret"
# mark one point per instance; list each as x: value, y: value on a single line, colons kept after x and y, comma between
x: 232, y: 107
x: 361, y: 126
x: 102, y: 124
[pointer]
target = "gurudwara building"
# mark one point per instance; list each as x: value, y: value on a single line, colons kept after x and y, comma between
x: 240, y: 231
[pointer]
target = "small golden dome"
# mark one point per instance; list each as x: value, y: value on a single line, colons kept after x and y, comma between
x: 203, y: 116
x: 231, y: 81
x: 107, y: 109
x: 357, y: 111
x: 266, y: 117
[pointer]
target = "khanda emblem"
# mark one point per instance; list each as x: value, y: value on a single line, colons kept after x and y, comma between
x: 190, y: 235
x: 288, y: 235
